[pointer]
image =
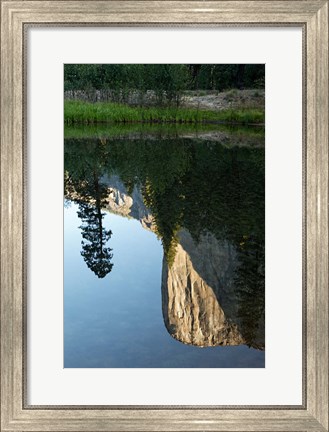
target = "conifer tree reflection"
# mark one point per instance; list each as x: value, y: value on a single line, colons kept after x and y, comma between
x: 84, y: 166
x: 95, y: 237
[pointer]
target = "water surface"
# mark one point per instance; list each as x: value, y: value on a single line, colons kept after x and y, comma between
x: 164, y: 251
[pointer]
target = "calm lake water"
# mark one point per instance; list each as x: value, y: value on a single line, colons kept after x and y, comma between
x: 164, y: 250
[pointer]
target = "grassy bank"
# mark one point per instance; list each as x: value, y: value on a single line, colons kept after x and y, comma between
x: 77, y: 112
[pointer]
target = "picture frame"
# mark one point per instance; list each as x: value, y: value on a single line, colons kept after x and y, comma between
x: 16, y: 16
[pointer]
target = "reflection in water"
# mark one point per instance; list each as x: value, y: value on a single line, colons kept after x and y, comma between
x: 206, y: 203
x: 91, y: 195
x: 96, y: 255
x: 201, y: 300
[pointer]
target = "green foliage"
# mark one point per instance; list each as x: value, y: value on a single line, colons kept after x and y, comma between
x: 77, y: 112
x: 225, y: 76
x: 167, y: 80
x: 250, y: 282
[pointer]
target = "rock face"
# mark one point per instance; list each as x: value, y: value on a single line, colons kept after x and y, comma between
x: 120, y: 202
x: 199, y: 300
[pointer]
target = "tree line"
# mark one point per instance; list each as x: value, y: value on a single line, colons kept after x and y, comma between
x: 171, y: 79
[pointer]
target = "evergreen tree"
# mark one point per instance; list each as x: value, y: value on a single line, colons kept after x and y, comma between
x: 95, y: 237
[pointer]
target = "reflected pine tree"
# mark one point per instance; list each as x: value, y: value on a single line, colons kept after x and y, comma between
x: 84, y: 166
x: 95, y: 237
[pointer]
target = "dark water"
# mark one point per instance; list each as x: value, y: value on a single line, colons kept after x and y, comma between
x: 164, y: 250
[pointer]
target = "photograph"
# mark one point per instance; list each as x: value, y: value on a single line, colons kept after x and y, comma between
x: 164, y: 216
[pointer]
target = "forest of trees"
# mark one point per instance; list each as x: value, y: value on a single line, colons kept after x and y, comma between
x: 169, y: 78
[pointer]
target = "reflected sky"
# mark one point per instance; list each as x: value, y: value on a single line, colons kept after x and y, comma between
x: 117, y: 321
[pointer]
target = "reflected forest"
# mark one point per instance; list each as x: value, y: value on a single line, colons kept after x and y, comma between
x: 164, y: 215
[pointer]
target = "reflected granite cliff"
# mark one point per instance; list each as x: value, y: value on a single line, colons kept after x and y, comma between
x: 201, y: 301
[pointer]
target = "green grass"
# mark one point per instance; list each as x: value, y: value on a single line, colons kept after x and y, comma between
x: 77, y: 112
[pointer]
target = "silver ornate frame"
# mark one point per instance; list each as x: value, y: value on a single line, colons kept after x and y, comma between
x: 312, y: 17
